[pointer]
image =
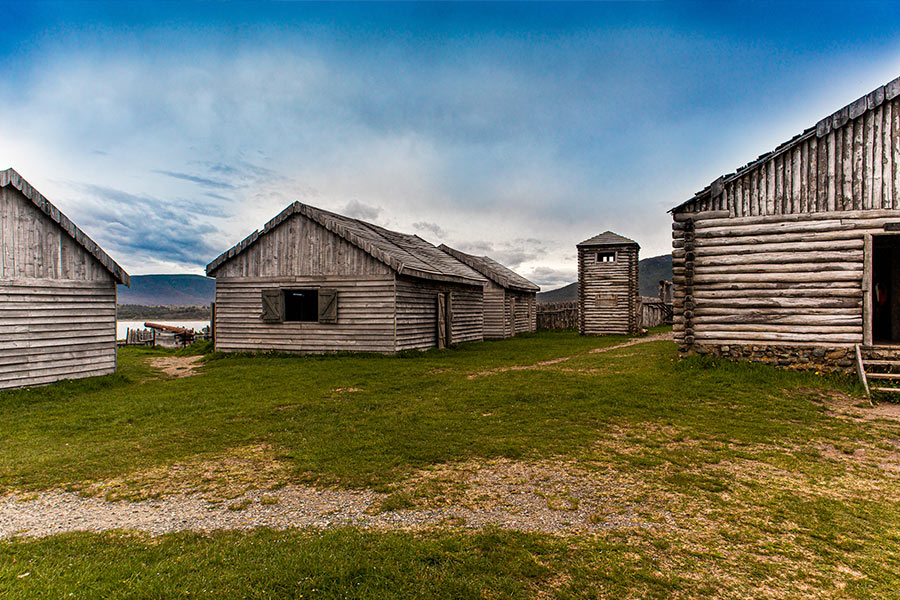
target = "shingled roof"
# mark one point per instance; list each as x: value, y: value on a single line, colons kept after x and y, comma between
x: 12, y: 178
x: 493, y: 270
x: 607, y: 238
x: 406, y: 254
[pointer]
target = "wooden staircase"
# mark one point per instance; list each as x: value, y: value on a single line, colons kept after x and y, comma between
x: 879, y: 369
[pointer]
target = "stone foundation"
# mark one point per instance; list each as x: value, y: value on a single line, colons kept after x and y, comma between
x: 792, y: 357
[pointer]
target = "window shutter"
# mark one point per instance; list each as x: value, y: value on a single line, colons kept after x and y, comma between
x: 272, y: 306
x: 328, y: 306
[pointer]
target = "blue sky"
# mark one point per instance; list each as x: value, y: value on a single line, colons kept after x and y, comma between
x: 169, y: 131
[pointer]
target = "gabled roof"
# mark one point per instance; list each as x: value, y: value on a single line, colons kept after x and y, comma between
x: 493, y: 270
x: 608, y: 238
x: 11, y: 178
x: 406, y: 254
x: 834, y: 121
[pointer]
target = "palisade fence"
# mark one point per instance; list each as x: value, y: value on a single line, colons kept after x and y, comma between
x: 557, y: 315
x: 564, y: 315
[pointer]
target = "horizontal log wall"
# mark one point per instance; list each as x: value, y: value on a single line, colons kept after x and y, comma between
x: 599, y: 280
x: 417, y: 313
x: 33, y: 246
x: 365, y: 316
x: 56, y: 329
x: 751, y: 280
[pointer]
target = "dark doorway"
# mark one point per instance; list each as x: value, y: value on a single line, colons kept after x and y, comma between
x: 886, y: 289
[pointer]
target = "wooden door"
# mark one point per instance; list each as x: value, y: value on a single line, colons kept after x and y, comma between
x: 512, y: 315
x: 444, y: 320
x: 441, y: 320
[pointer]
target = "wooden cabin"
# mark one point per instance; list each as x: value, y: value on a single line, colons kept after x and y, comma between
x: 795, y: 257
x: 608, y: 285
x: 509, y: 299
x: 57, y: 293
x: 316, y: 281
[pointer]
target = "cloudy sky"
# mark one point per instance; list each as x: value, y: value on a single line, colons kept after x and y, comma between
x: 169, y: 131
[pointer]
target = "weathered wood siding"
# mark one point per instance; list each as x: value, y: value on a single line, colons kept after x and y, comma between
x: 521, y: 311
x: 57, y: 302
x: 797, y: 280
x: 507, y: 311
x: 302, y: 254
x: 495, y: 311
x: 608, y: 291
x: 34, y: 247
x: 848, y: 162
x: 365, y: 321
x: 417, y: 313
x: 775, y: 254
x: 300, y: 246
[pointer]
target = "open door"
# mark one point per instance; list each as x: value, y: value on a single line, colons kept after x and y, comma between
x: 885, y: 287
x: 512, y: 315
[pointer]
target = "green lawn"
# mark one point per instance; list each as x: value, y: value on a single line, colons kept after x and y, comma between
x: 769, y: 485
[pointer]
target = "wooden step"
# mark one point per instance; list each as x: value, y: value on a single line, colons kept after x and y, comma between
x: 881, y: 363
x: 887, y: 390
x: 883, y: 375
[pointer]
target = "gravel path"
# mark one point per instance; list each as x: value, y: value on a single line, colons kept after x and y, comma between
x: 514, y: 503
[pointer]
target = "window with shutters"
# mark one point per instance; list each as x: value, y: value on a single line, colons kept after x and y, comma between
x: 606, y: 257
x: 301, y: 305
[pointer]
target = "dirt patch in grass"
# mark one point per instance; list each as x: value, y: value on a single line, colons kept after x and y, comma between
x: 177, y: 366
x: 555, y: 361
x: 222, y: 477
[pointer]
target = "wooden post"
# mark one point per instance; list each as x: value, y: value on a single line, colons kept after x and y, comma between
x: 867, y: 290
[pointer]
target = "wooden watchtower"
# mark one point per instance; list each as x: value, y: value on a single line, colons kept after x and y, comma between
x: 608, y: 285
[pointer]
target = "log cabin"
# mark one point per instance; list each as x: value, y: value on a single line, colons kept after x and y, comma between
x: 314, y: 281
x: 509, y: 299
x: 608, y: 285
x: 57, y: 293
x: 794, y: 258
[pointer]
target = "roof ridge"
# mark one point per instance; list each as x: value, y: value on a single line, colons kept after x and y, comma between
x: 383, y: 244
x: 11, y: 177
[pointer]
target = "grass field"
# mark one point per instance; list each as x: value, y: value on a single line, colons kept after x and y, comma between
x: 740, y: 480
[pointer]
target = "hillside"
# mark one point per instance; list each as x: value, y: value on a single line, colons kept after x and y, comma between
x: 168, y: 290
x: 651, y: 270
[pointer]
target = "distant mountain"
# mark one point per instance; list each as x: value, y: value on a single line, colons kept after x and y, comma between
x: 650, y: 270
x: 168, y: 290
x: 566, y: 293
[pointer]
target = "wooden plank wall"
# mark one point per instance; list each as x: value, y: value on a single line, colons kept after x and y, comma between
x: 299, y: 246
x: 525, y: 317
x: 34, y: 247
x: 796, y: 280
x: 56, y: 329
x: 57, y: 302
x: 495, y: 311
x: 417, y: 313
x: 849, y: 162
x: 620, y: 279
x: 365, y: 316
